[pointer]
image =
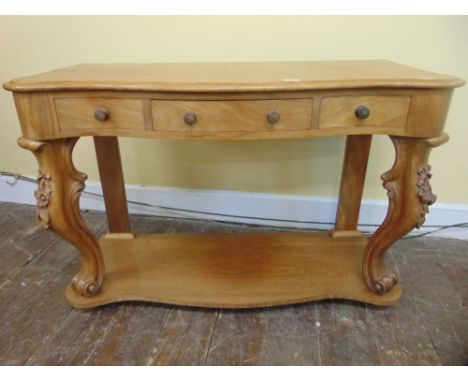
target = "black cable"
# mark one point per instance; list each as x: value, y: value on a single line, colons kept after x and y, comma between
x: 439, y: 228
x: 442, y: 228
x: 32, y: 180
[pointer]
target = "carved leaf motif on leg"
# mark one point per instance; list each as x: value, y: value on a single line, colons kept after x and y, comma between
x: 42, y: 195
x: 389, y: 185
x: 425, y: 195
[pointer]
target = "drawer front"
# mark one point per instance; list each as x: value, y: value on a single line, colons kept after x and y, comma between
x: 206, y: 116
x: 383, y: 111
x: 99, y: 113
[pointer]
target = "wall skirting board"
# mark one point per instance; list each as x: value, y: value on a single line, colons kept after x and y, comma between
x: 245, y: 207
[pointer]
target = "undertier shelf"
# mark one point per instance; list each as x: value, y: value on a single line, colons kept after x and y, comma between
x: 243, y: 270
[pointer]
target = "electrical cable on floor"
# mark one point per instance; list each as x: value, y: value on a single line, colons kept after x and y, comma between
x: 182, y: 210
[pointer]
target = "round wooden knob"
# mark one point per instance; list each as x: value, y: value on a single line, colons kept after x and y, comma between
x: 362, y: 112
x: 190, y: 118
x: 101, y: 114
x: 273, y: 116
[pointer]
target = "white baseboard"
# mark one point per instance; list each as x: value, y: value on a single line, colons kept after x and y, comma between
x: 245, y: 207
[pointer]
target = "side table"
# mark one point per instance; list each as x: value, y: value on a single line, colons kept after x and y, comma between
x: 233, y: 101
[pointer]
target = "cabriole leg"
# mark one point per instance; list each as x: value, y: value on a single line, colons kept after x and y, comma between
x: 58, y: 209
x: 409, y: 194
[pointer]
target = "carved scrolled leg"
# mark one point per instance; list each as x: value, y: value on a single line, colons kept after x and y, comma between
x: 409, y: 194
x: 58, y: 194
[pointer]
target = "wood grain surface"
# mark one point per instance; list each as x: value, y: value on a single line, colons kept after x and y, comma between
x: 234, y: 77
x: 78, y: 113
x: 113, y: 184
x: 232, y: 115
x: 385, y: 111
x: 222, y: 115
x: 353, y: 176
x: 233, y: 271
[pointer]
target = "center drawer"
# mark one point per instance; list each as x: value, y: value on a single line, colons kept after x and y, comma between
x: 206, y: 116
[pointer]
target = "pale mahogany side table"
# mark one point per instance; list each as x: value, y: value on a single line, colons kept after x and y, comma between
x: 233, y: 101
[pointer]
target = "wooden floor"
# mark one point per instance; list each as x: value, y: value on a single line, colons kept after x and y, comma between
x: 428, y: 327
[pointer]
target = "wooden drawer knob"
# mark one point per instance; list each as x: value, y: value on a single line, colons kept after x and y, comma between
x: 362, y: 112
x: 101, y: 114
x: 273, y: 116
x: 190, y: 118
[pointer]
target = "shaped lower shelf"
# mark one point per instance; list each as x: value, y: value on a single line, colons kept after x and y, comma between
x: 243, y: 270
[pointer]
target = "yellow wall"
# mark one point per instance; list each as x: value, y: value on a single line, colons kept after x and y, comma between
x: 306, y: 167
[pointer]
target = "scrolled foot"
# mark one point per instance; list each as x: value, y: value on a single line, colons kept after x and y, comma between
x: 85, y: 285
x: 385, y: 282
